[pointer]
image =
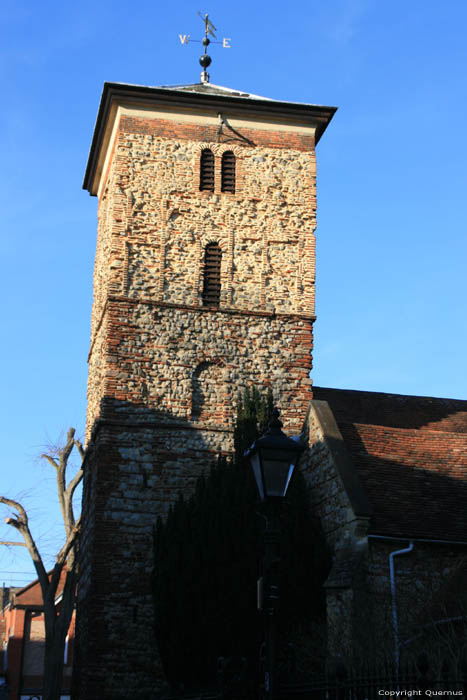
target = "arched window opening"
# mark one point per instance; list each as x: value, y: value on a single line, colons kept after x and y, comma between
x: 206, y: 170
x: 209, y: 393
x: 212, y: 275
x: 228, y: 172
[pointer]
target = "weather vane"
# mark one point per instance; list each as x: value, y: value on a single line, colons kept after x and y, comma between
x: 205, y: 60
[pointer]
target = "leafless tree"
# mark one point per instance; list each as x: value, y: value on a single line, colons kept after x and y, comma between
x: 57, y: 620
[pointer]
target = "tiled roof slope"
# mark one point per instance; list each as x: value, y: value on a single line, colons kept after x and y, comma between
x: 411, y: 456
x: 395, y: 410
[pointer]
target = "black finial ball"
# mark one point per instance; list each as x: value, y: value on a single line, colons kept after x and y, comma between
x: 205, y: 41
x: 205, y: 60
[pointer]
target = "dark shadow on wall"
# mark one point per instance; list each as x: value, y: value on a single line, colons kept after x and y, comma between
x: 154, y: 438
x: 138, y: 461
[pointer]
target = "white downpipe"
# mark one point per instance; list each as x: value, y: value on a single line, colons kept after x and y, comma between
x: 392, y: 577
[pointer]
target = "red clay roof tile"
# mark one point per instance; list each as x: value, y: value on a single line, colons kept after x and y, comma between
x: 411, y: 456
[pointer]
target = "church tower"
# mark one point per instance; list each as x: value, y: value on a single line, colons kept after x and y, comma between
x: 203, y: 285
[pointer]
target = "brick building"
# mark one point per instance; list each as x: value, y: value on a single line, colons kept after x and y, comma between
x: 23, y: 642
x: 203, y: 285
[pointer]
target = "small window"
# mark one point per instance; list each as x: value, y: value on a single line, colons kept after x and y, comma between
x: 228, y: 172
x: 212, y: 275
x: 206, y: 170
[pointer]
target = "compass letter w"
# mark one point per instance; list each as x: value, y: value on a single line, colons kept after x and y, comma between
x: 184, y: 38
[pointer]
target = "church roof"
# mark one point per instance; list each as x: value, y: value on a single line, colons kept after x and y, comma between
x: 410, y: 453
x: 211, y: 89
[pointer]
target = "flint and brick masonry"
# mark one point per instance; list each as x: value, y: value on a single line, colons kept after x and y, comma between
x: 165, y: 370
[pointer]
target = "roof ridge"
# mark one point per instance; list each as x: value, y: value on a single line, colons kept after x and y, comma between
x: 421, y: 429
x: 388, y: 393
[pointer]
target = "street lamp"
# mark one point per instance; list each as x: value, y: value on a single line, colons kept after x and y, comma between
x: 273, y: 458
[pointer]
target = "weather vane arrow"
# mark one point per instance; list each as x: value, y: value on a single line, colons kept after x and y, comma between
x: 205, y: 60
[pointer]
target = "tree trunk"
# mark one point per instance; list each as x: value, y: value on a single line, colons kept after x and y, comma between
x: 56, y: 630
x: 53, y: 670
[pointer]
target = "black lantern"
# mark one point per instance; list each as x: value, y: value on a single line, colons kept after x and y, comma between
x: 273, y: 458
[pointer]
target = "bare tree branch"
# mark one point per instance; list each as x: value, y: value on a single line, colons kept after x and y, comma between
x: 80, y: 448
x: 70, y: 489
x: 13, y: 544
x: 69, y: 493
x: 51, y: 460
x: 18, y: 507
x: 63, y: 553
x: 21, y: 524
x: 13, y: 522
x: 66, y: 450
x: 63, y: 456
x: 74, y: 483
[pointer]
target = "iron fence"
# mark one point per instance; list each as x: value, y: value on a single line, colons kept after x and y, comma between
x: 383, y: 682
x: 364, y: 682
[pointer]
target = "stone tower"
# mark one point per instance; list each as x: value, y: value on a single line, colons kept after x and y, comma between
x: 203, y: 285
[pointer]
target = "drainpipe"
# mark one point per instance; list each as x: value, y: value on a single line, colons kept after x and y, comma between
x: 392, y: 577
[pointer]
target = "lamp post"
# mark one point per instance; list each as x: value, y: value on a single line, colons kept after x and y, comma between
x: 273, y: 458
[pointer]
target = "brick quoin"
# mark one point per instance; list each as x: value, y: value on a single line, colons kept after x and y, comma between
x: 165, y: 370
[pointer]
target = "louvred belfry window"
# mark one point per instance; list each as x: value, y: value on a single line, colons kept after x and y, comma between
x: 206, y: 170
x: 212, y: 275
x: 228, y: 172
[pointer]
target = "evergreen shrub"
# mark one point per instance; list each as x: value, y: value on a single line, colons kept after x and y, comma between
x: 207, y: 558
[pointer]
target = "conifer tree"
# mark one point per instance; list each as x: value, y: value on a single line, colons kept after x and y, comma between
x: 208, y: 557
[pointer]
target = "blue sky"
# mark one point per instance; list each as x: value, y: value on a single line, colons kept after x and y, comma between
x: 391, y: 193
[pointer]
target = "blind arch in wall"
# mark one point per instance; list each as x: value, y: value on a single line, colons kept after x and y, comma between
x: 212, y: 275
x: 206, y: 170
x: 228, y: 172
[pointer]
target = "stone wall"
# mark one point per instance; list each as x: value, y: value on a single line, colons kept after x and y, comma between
x: 341, y: 504
x: 164, y: 370
x: 424, y: 609
x: 338, y: 498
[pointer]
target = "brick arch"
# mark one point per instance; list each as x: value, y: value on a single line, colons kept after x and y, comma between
x: 207, y: 238
x: 218, y: 149
x: 238, y: 151
x: 209, y: 392
x: 203, y: 146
